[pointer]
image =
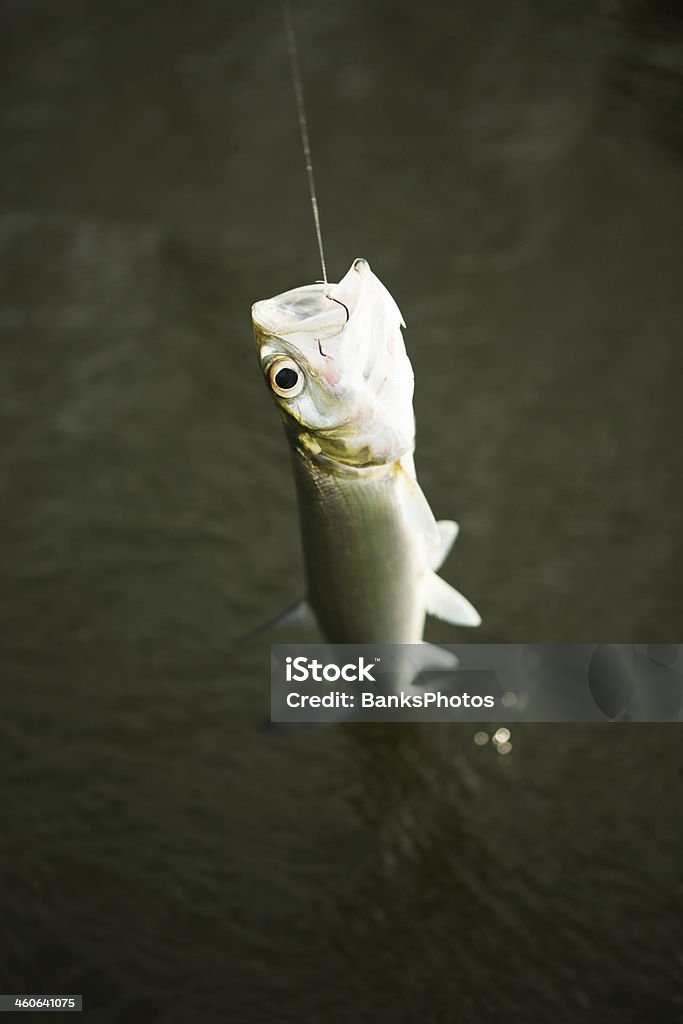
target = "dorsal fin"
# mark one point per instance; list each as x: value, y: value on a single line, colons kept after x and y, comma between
x: 444, y: 602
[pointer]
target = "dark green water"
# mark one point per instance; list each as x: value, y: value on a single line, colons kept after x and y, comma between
x: 513, y: 174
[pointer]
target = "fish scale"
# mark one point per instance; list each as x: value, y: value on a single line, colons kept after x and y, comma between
x: 362, y: 558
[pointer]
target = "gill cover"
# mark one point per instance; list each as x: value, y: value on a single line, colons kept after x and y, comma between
x: 353, y: 402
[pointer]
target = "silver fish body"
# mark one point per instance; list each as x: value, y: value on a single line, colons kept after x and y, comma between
x: 362, y: 557
x: 334, y: 359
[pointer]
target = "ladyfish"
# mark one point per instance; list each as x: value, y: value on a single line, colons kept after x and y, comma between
x: 334, y: 359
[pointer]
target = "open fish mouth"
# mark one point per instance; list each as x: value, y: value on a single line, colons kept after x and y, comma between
x: 320, y: 308
x: 309, y: 309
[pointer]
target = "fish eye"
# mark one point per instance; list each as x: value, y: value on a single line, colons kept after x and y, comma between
x: 286, y: 378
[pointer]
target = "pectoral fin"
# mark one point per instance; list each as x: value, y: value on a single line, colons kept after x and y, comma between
x: 448, y: 531
x: 444, y: 602
x: 439, y: 537
x: 416, y: 508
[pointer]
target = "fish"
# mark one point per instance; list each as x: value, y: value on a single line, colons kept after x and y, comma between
x: 334, y: 360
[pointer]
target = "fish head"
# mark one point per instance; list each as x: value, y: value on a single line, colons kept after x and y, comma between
x: 334, y: 360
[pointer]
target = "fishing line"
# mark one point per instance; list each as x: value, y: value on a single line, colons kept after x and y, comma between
x: 303, y: 124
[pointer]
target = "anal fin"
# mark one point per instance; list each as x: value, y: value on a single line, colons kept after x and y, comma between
x: 425, y: 658
x: 297, y: 616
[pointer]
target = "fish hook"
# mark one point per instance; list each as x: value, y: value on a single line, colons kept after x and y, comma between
x: 348, y: 317
x: 346, y: 308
